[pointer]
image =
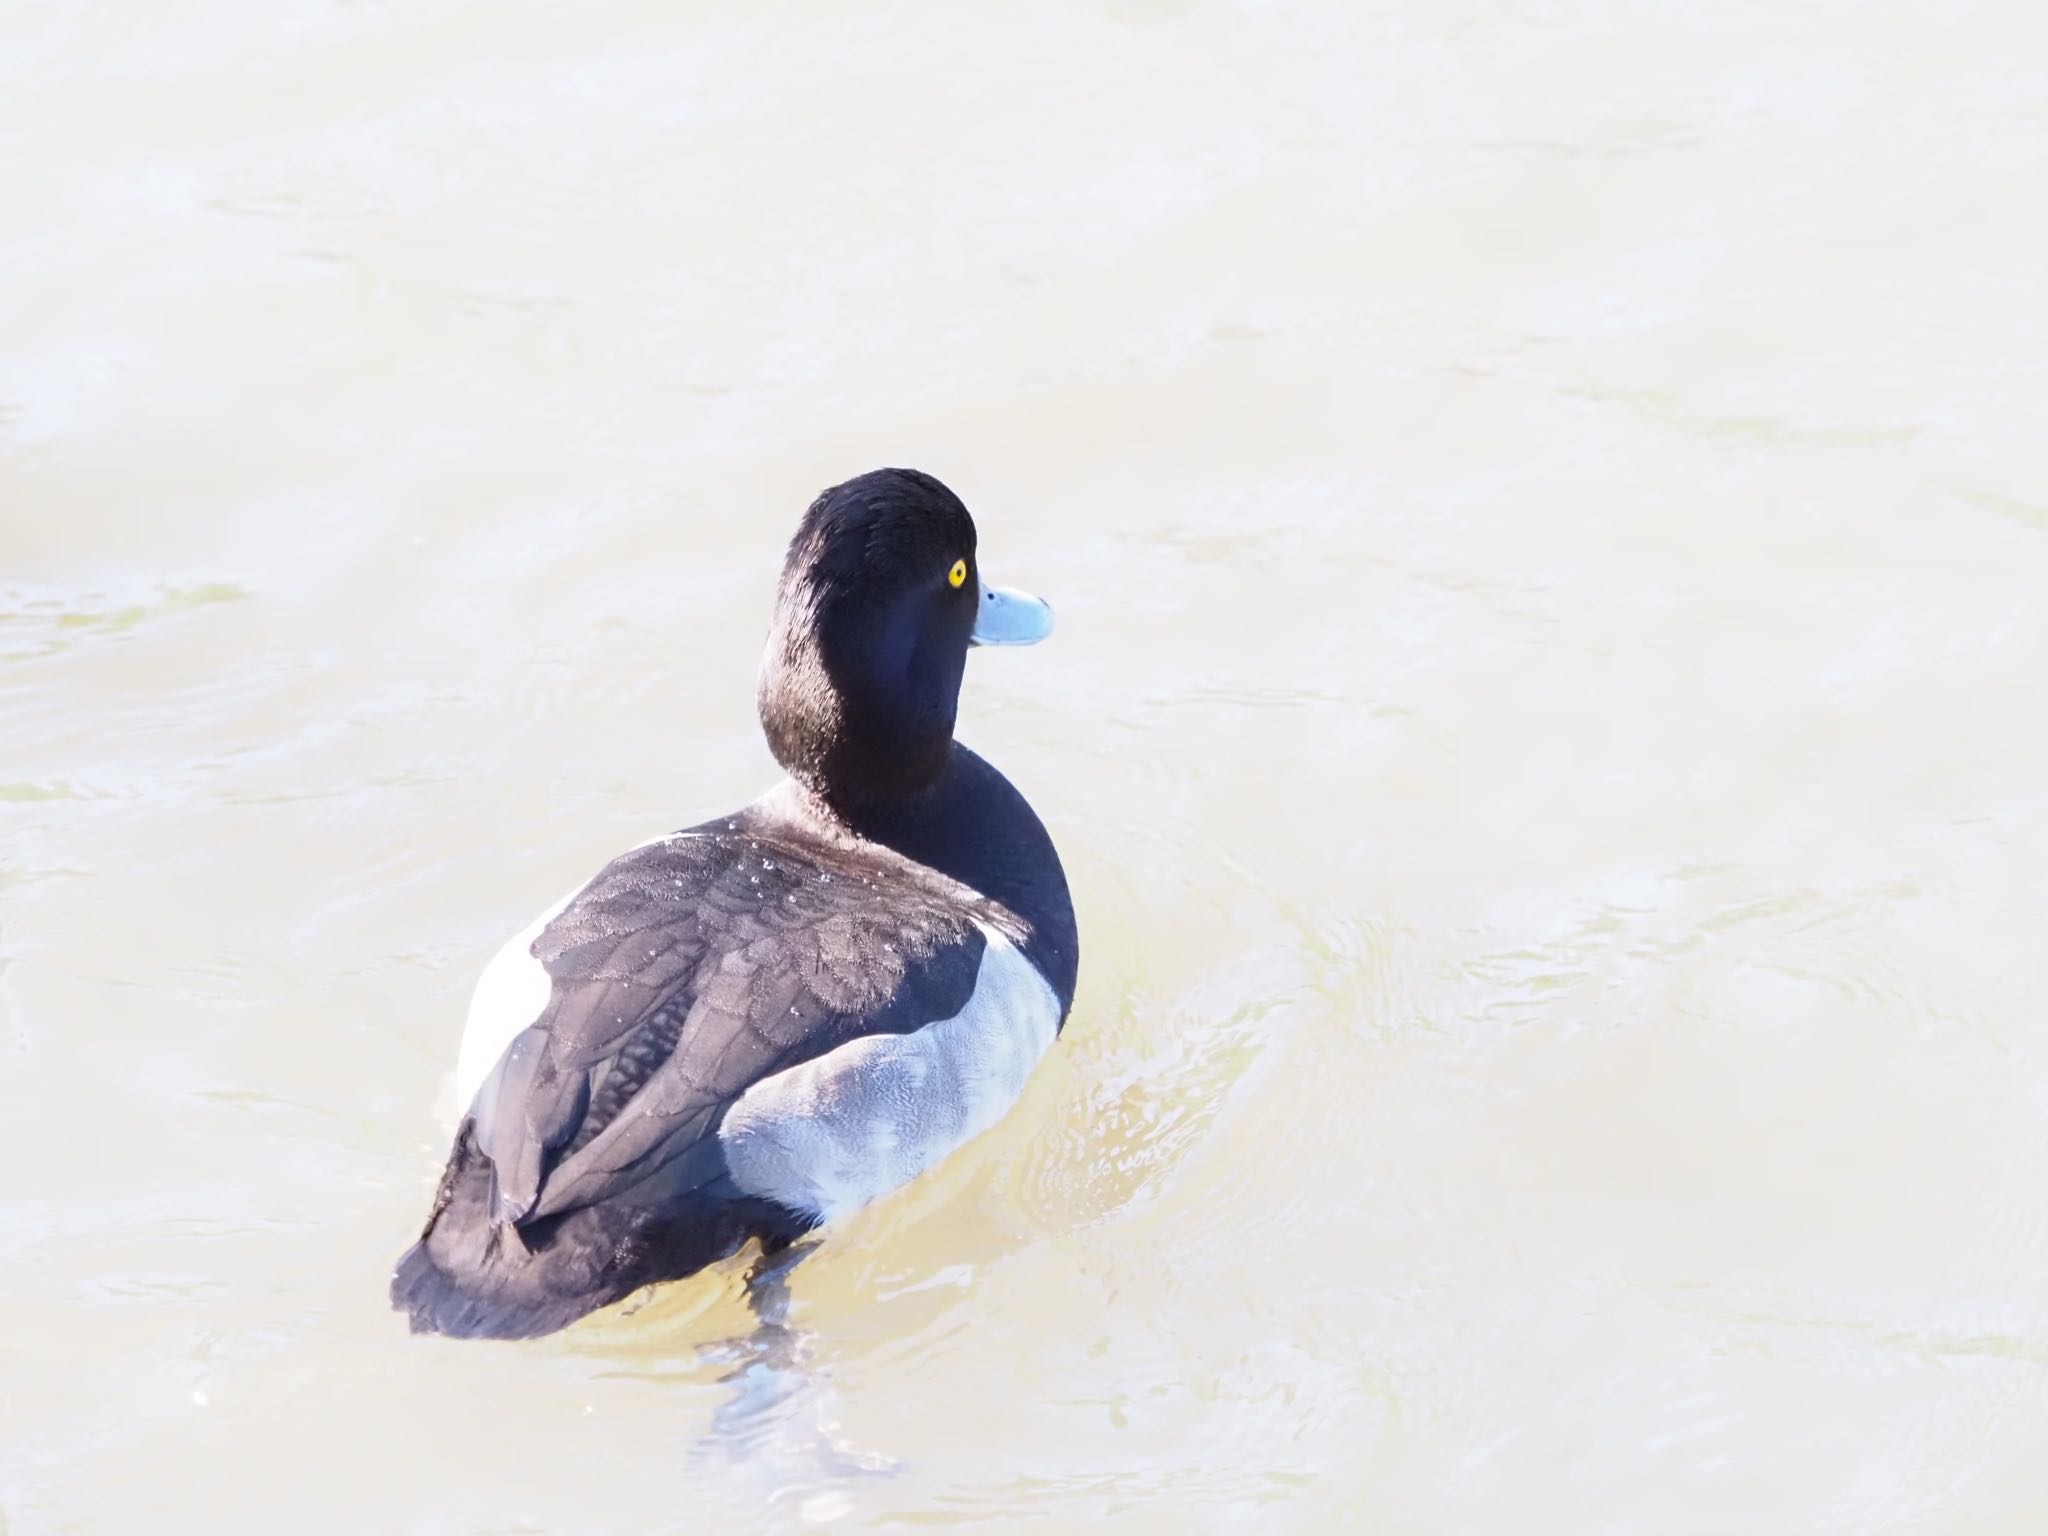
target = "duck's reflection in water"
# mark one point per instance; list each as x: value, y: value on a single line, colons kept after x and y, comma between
x: 777, y: 1428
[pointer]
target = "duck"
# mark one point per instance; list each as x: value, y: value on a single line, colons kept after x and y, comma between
x: 747, y: 1029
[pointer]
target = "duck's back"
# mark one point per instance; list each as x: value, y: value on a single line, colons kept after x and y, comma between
x: 748, y: 1027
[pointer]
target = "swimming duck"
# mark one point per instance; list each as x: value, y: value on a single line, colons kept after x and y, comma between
x: 748, y: 1028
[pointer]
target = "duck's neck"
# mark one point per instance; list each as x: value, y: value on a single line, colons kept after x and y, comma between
x: 852, y: 703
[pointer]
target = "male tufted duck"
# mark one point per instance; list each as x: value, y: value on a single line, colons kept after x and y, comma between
x: 745, y: 1029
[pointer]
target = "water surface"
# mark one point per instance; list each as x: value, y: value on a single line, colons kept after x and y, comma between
x: 1547, y: 512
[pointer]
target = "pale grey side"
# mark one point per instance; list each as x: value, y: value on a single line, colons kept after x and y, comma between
x: 829, y: 1136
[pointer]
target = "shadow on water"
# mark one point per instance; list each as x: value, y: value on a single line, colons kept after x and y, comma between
x: 776, y: 1432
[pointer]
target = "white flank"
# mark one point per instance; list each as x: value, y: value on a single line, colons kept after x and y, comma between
x: 510, y: 995
x: 834, y: 1133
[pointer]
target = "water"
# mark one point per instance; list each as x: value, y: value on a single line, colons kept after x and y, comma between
x: 1546, y: 510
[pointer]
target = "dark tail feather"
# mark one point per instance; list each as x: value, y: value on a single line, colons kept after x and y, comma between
x: 438, y: 1301
x: 474, y: 1277
x: 470, y: 1277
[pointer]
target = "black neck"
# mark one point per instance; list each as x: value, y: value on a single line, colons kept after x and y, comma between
x: 971, y: 825
x: 858, y: 700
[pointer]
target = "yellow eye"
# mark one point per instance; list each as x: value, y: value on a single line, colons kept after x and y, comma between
x: 958, y: 575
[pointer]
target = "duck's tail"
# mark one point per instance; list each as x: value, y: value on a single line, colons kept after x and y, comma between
x: 474, y: 1277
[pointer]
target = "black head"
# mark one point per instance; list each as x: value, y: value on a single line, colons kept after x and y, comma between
x: 878, y: 604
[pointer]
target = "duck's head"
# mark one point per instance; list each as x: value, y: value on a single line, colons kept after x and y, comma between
x: 881, y: 595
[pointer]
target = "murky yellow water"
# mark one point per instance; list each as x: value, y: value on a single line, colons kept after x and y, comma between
x: 1548, y: 511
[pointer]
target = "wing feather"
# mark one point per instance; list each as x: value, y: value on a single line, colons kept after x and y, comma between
x: 685, y: 972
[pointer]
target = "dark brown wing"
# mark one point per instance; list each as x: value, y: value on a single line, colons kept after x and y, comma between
x: 687, y: 971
